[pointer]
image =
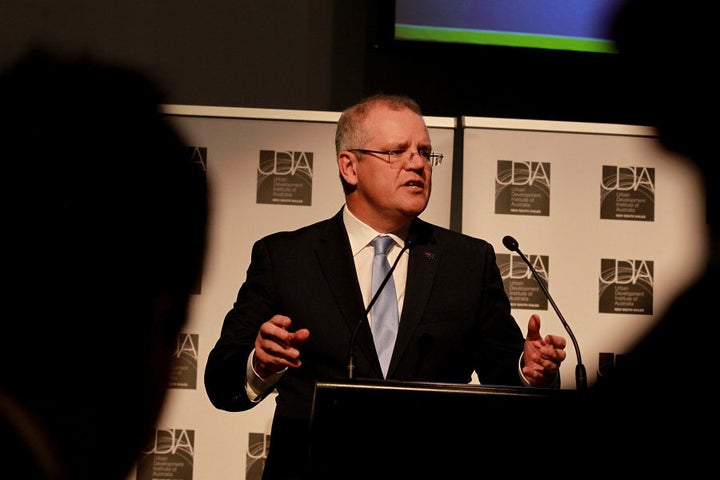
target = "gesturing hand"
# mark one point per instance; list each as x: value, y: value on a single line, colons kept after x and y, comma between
x: 541, y: 356
x: 277, y: 348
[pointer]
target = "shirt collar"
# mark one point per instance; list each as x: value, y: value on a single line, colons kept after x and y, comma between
x: 361, y: 234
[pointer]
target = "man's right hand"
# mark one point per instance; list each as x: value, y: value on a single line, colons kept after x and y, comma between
x: 277, y: 348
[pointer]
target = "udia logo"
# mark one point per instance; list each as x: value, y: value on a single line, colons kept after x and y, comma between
x: 626, y: 285
x: 285, y: 177
x: 626, y: 272
x: 628, y: 178
x: 516, y: 269
x: 285, y: 163
x: 511, y: 172
x: 173, y: 442
x: 186, y: 346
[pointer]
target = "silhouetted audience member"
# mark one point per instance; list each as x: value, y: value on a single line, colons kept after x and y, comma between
x: 655, y: 413
x: 104, y: 223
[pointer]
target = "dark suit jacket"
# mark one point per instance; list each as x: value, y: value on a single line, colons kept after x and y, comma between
x: 456, y: 319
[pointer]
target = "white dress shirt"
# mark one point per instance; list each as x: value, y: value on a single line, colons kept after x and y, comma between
x: 361, y: 237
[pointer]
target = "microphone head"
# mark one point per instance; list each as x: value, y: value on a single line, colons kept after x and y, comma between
x: 510, y: 243
x: 411, y: 240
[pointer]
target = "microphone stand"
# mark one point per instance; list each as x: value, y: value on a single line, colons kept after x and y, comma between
x: 580, y: 374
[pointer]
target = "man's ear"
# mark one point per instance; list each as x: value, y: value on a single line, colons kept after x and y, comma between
x: 347, y: 166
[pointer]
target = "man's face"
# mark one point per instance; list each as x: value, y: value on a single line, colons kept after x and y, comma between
x: 393, y: 188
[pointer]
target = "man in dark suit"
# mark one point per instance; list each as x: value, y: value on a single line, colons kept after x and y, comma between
x: 307, y: 291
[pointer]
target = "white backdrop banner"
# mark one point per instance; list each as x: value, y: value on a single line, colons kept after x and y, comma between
x: 613, y: 224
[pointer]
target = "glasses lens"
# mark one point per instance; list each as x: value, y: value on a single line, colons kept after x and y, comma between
x: 398, y: 159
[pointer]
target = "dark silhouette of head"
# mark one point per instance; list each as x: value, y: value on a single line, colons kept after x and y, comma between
x: 105, y: 218
x: 667, y: 51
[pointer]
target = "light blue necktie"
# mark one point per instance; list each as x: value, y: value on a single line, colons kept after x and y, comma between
x: 385, y: 310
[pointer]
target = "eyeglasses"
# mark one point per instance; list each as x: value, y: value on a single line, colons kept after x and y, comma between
x: 400, y: 158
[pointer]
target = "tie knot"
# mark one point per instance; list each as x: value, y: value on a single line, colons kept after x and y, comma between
x: 382, y: 244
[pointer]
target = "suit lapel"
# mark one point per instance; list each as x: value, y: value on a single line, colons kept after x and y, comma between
x: 422, y: 267
x: 336, y: 262
x: 334, y: 257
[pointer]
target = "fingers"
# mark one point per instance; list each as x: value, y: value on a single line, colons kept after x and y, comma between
x: 276, y: 347
x: 299, y: 336
x: 551, y: 351
x: 556, y: 341
x: 545, y: 358
x: 533, y: 331
x: 275, y: 330
x: 547, y: 347
x: 542, y: 370
x: 552, y: 361
x: 539, y: 377
x: 542, y: 356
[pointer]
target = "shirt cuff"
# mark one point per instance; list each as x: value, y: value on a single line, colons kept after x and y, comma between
x: 522, y: 376
x: 554, y: 384
x: 257, y: 387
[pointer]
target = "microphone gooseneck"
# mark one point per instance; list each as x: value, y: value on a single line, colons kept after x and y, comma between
x: 580, y: 374
x: 409, y: 243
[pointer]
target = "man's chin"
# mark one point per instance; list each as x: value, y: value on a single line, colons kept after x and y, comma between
x: 414, y: 209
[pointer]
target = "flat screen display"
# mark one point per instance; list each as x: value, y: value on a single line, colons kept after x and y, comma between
x: 571, y: 25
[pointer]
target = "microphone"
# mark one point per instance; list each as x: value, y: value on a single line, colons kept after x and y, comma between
x: 580, y: 375
x: 409, y: 243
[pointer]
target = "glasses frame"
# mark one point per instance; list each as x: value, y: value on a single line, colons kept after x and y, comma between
x: 434, y: 158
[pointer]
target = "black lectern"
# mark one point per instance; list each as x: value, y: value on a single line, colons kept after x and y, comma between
x: 386, y: 429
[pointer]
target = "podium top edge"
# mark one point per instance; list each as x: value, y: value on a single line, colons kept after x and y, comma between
x: 435, y: 387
